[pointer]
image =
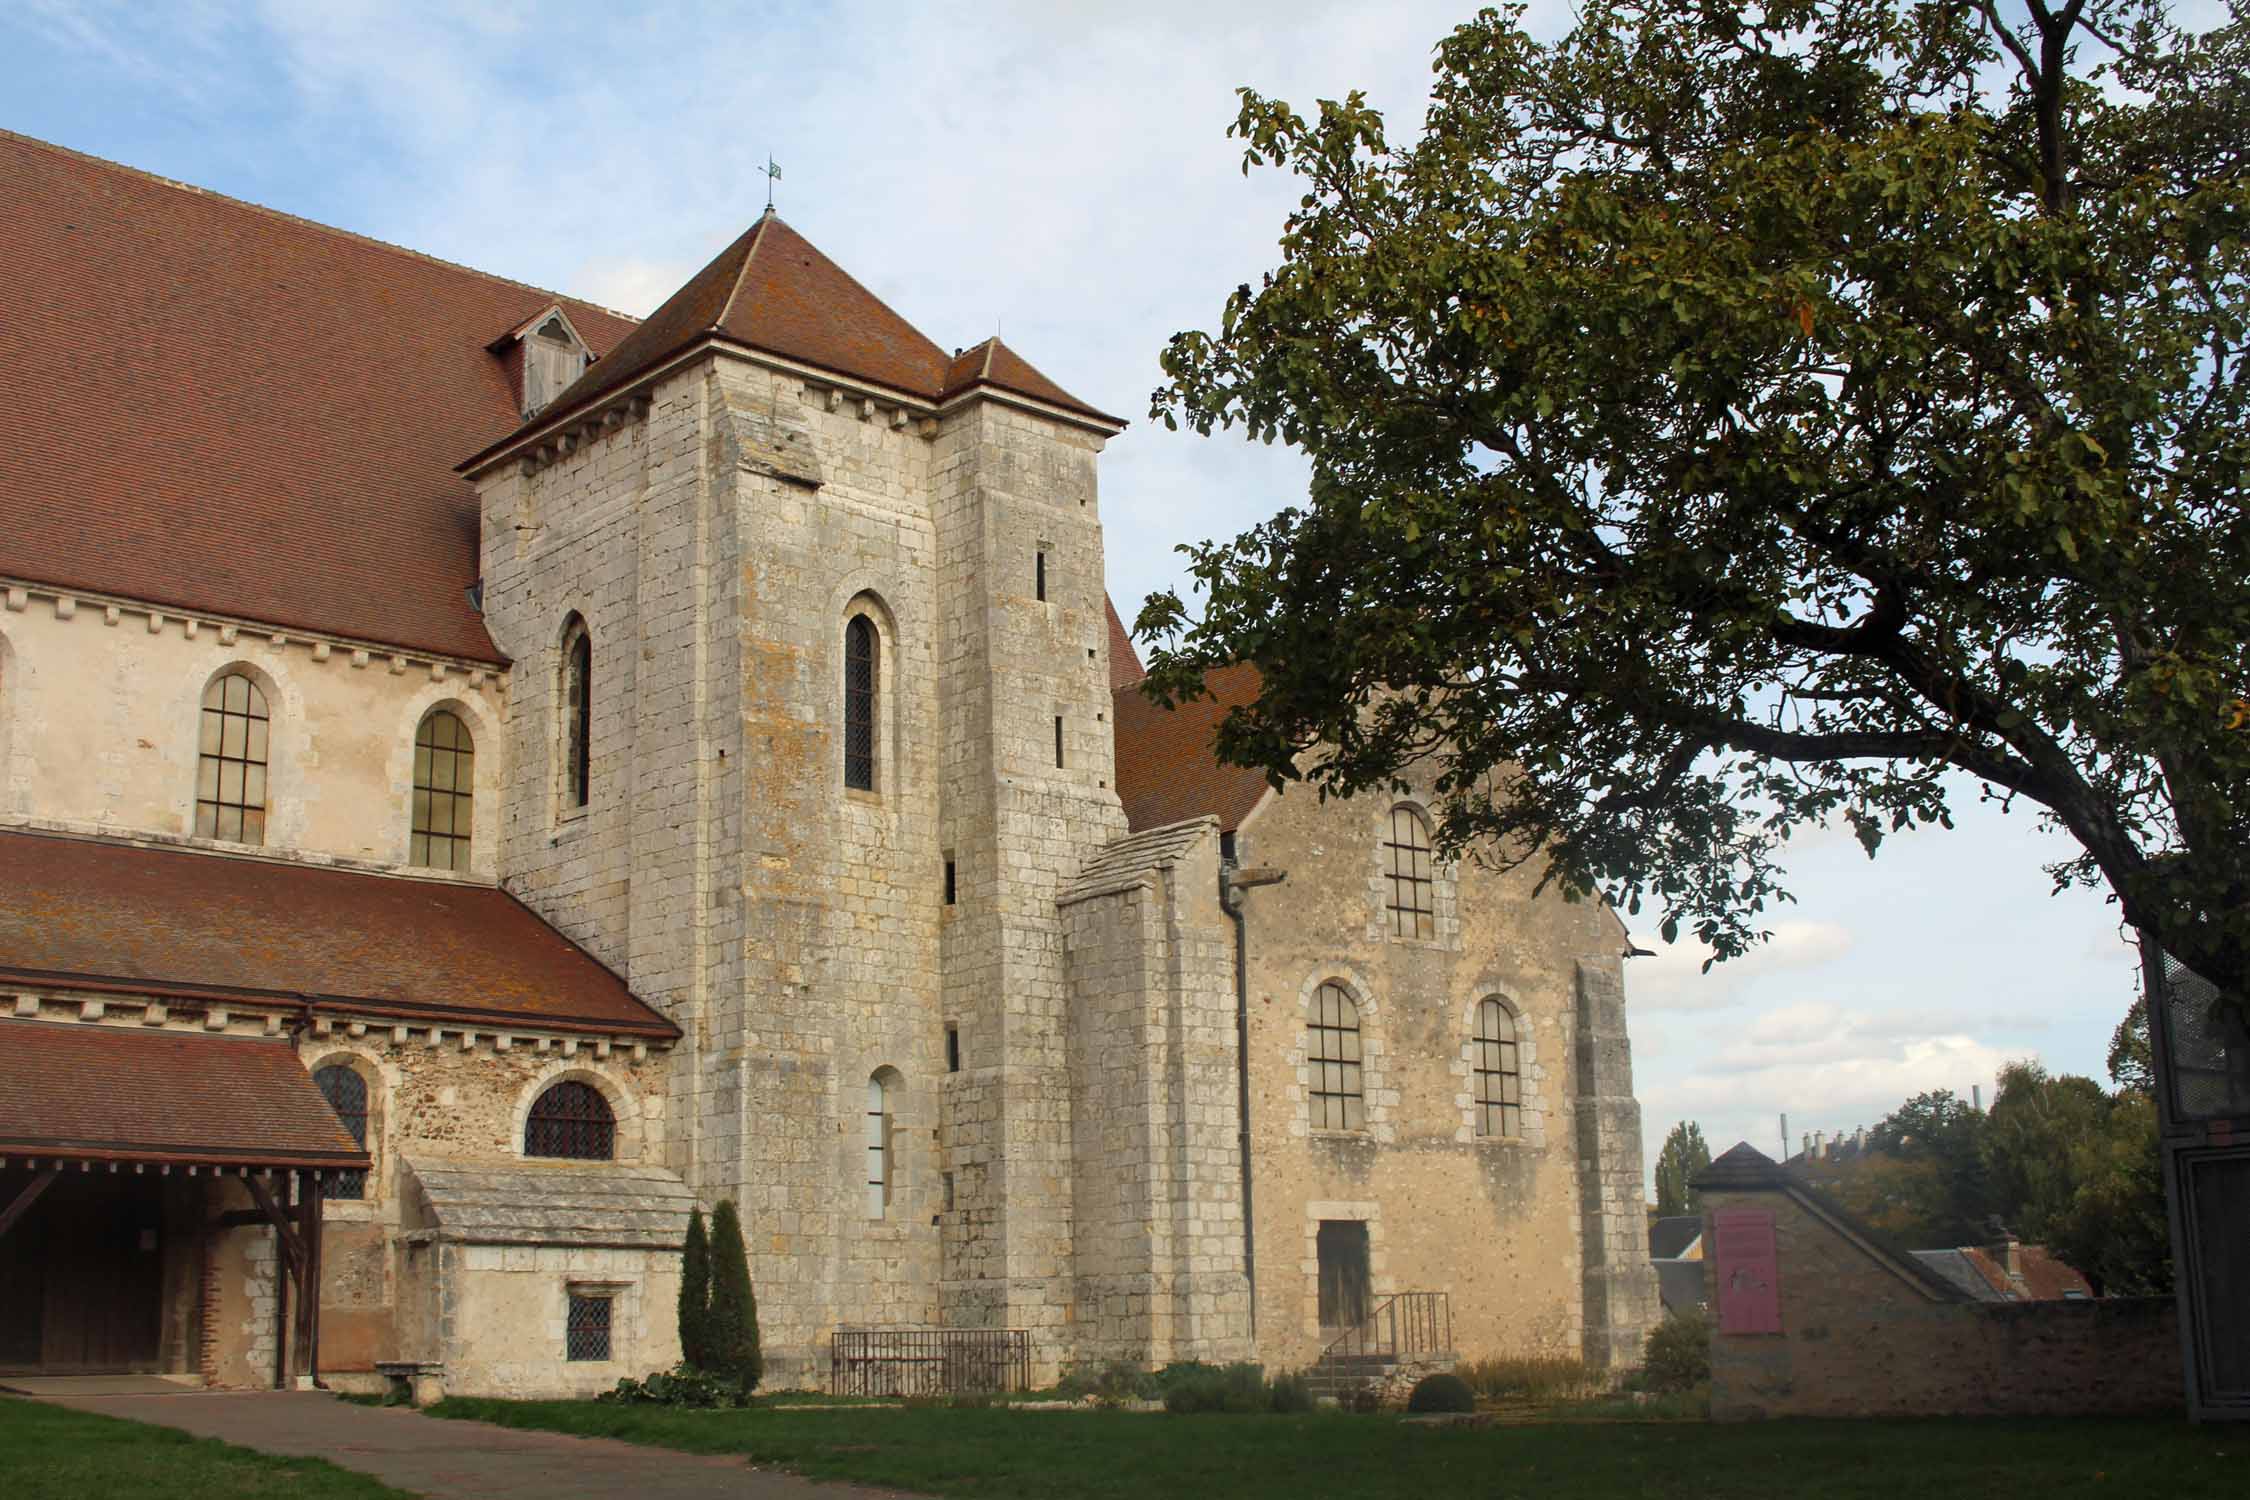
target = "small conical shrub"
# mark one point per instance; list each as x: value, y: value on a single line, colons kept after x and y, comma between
x: 695, y: 1294
x: 734, y: 1306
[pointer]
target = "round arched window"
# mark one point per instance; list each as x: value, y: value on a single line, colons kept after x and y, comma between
x: 571, y: 1120
x: 346, y: 1093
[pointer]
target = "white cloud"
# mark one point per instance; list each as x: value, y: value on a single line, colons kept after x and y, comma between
x: 1674, y: 978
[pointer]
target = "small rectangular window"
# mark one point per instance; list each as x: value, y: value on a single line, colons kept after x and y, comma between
x: 1058, y: 742
x: 952, y: 1049
x: 587, y: 1335
x: 948, y: 1178
x: 952, y: 881
x: 1040, y: 580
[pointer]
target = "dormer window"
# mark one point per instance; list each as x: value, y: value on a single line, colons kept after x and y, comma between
x: 549, y: 355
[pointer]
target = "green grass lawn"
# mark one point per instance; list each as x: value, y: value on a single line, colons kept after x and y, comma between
x: 999, y: 1452
x: 54, y: 1453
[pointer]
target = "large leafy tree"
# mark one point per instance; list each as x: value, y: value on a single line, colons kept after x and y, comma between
x: 1732, y: 415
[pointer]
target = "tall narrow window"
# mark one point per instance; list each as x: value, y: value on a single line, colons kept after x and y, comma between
x: 1407, y: 857
x: 1058, y: 742
x: 1499, y: 1078
x: 859, y: 704
x: 571, y: 1120
x: 1338, y: 1102
x: 878, y: 1147
x: 230, y: 770
x: 346, y: 1093
x: 444, y: 792
x: 578, y: 714
x: 1040, y: 574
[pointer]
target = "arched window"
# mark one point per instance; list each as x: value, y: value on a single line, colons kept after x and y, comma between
x: 1333, y: 1051
x: 444, y: 790
x: 577, y: 698
x: 859, y: 703
x: 878, y: 1147
x: 1499, y: 1078
x: 1407, y: 857
x: 346, y: 1093
x: 230, y: 768
x: 571, y: 1120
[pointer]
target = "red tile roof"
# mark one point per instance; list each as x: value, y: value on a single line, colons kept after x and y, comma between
x: 85, y: 914
x: 105, y: 1093
x: 771, y: 290
x: 1167, y: 767
x: 2045, y: 1279
x: 1125, y: 667
x: 223, y: 408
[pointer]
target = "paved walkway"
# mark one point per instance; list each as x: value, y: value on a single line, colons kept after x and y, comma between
x: 458, y: 1460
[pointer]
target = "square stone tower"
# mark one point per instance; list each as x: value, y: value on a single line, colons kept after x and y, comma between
x: 810, y: 731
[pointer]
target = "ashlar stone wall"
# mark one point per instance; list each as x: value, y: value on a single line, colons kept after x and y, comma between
x: 1522, y: 1233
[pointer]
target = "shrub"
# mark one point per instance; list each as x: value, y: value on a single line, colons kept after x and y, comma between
x: 1537, y: 1378
x: 1441, y: 1392
x: 681, y: 1386
x: 1292, y: 1392
x: 695, y: 1293
x: 734, y: 1351
x: 1109, y: 1382
x: 1235, y: 1389
x: 1678, y: 1356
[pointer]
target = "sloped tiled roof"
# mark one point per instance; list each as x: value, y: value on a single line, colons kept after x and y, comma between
x: 1167, y: 768
x: 771, y: 290
x: 222, y: 408
x: 1131, y: 859
x: 107, y: 1093
x: 1670, y: 1237
x: 555, y: 1203
x: 1124, y: 662
x: 92, y: 915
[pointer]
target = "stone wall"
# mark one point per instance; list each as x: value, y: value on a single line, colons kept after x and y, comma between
x: 1863, y: 1335
x: 101, y: 706
x: 1519, y: 1232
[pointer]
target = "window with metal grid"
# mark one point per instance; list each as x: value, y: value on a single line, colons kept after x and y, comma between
x: 578, y: 714
x: 586, y: 1333
x: 1407, y: 852
x: 1332, y: 1051
x: 859, y: 704
x: 878, y: 1147
x: 1499, y: 1079
x: 444, y: 791
x: 230, y: 770
x: 346, y: 1093
x: 571, y: 1120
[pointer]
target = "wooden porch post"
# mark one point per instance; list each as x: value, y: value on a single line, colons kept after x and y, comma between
x: 23, y: 1200
x: 308, y: 1271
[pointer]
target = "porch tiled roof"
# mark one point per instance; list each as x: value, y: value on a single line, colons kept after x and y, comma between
x: 89, y: 1092
x: 87, y: 914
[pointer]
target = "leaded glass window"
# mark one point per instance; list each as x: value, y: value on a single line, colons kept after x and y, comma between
x: 578, y: 714
x: 586, y: 1333
x: 346, y: 1093
x: 859, y: 704
x: 1499, y: 1077
x: 444, y: 788
x: 571, y: 1120
x: 1333, y: 1052
x: 1407, y: 859
x: 230, y: 768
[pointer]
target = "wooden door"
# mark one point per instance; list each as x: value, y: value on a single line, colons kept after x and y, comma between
x: 1344, y: 1278
x: 87, y: 1271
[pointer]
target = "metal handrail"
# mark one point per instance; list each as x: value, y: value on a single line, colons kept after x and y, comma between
x: 1400, y: 1327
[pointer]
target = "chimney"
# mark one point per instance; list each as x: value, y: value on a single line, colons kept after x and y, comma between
x: 1807, y: 1152
x: 1976, y: 1097
x: 1820, y: 1143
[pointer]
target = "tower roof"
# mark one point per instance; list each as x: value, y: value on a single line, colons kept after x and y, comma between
x: 772, y: 291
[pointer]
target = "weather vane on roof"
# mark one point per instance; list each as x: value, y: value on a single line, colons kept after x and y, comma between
x: 773, y: 175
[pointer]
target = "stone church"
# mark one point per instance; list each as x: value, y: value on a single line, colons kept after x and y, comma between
x: 480, y: 775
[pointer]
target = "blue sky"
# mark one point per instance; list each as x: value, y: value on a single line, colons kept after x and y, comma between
x: 1058, y: 172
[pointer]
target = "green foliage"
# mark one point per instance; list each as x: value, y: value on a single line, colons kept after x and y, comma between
x: 2077, y: 1170
x: 1499, y: 1377
x: 734, y: 1351
x: 1110, y: 1382
x: 684, y: 1385
x: 1235, y: 1389
x: 695, y: 1293
x: 1943, y: 1195
x: 1683, y: 1156
x: 1291, y: 1392
x: 2132, y: 1059
x: 1678, y: 1354
x: 1441, y: 1392
x: 1729, y: 418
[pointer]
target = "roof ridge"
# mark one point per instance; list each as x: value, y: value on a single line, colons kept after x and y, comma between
x: 742, y: 271
x: 991, y: 347
x: 146, y: 842
x: 404, y: 251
